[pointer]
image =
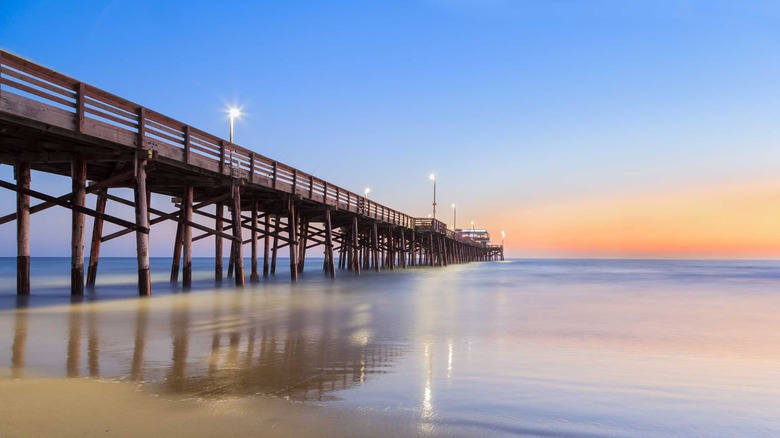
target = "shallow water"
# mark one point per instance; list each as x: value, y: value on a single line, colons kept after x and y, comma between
x: 523, y: 347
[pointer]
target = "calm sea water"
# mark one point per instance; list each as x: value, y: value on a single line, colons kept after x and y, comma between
x: 523, y: 347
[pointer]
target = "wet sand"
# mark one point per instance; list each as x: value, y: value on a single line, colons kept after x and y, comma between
x: 49, y: 407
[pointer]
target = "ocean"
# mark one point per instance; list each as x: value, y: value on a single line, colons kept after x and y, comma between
x: 525, y: 347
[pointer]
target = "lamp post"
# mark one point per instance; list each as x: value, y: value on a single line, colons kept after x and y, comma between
x: 503, y: 234
x: 433, y: 178
x: 366, y: 192
x: 454, y: 216
x: 233, y: 113
x: 472, y: 225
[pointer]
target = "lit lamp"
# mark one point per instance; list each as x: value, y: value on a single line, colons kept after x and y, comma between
x: 366, y: 192
x: 472, y: 225
x: 432, y: 177
x: 233, y: 113
x: 503, y: 235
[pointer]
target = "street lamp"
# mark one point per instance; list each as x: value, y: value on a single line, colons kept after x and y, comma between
x: 454, y: 216
x: 433, y: 178
x: 233, y: 113
x: 472, y: 225
x: 503, y: 234
x: 366, y: 192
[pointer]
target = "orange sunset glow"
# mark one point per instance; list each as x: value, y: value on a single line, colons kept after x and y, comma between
x: 738, y: 222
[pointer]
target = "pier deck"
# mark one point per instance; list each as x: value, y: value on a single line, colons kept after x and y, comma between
x: 52, y: 123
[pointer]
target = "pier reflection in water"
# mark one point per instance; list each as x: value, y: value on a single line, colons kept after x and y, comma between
x: 207, y: 344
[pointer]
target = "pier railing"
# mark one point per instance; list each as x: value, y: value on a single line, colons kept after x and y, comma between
x: 80, y: 107
x: 430, y: 225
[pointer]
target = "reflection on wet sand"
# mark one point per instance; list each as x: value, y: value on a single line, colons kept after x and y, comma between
x: 139, y: 345
x: 20, y: 339
x: 210, y: 345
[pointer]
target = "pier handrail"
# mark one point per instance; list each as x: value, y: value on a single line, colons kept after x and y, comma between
x: 80, y: 107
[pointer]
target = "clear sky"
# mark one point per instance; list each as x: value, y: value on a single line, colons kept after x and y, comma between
x: 584, y: 128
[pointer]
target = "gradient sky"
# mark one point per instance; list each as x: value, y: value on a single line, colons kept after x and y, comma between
x: 584, y: 128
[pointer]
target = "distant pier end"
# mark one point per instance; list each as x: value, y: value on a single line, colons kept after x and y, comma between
x: 52, y: 123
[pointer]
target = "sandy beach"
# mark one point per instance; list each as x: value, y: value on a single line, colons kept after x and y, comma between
x: 48, y: 407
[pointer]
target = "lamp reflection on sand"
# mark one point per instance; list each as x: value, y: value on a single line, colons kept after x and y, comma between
x: 427, y: 413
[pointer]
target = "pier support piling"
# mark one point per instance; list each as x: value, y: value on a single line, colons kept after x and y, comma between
x: 79, y: 179
x: 22, y: 172
x: 275, y: 246
x: 375, y: 247
x: 187, y: 236
x: 292, y: 232
x: 218, y: 227
x: 329, y: 263
x: 254, y: 277
x: 355, y: 245
x: 266, y: 243
x: 142, y: 235
x: 237, y: 247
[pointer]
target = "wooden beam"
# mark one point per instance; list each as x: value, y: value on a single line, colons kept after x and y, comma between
x: 162, y: 216
x: 91, y: 188
x: 66, y: 204
x: 177, y: 244
x: 97, y: 233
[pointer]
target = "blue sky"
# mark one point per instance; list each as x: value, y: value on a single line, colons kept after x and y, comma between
x: 517, y: 105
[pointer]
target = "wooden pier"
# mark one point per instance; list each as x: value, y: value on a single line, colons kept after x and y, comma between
x: 52, y: 123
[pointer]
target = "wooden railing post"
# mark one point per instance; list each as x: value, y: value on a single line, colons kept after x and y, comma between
x: 187, y: 143
x: 252, y: 167
x: 80, y: 106
x: 222, y: 157
x: 276, y: 173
